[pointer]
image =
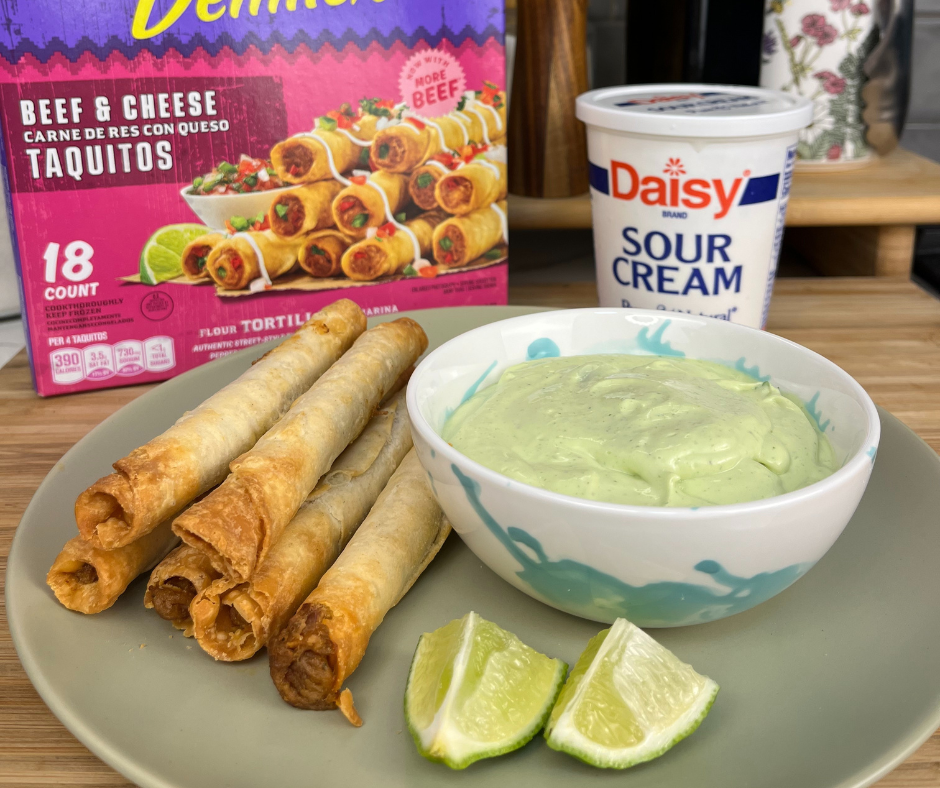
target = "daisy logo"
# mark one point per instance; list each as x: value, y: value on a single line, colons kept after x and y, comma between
x: 674, y: 168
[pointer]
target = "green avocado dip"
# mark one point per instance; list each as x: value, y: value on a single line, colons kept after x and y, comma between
x: 642, y: 430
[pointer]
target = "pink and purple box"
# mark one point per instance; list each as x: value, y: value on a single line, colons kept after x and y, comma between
x: 109, y: 111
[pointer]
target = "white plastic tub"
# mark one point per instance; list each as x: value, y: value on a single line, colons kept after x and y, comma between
x: 689, y: 187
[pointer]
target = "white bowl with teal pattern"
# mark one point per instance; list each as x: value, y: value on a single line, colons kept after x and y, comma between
x: 657, y: 566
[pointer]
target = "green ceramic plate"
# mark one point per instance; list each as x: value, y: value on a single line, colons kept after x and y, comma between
x: 832, y: 683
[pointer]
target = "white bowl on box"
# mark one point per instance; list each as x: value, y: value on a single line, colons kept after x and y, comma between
x: 214, y: 209
x: 657, y: 566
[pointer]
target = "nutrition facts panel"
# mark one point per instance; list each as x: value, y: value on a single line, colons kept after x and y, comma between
x: 99, y: 362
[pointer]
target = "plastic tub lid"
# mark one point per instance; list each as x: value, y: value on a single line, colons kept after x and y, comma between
x: 695, y: 110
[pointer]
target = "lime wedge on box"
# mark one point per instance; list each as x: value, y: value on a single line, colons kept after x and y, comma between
x: 476, y: 691
x: 161, y: 257
x: 627, y: 700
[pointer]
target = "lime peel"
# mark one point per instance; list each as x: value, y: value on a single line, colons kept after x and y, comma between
x: 161, y: 257
x: 474, y: 681
x: 618, y: 647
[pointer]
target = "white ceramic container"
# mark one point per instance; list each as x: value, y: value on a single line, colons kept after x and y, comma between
x: 817, y: 49
x: 214, y: 209
x: 656, y: 566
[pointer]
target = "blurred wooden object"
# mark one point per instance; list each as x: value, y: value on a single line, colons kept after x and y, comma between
x: 857, y: 222
x: 548, y: 152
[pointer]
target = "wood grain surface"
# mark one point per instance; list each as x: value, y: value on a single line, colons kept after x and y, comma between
x: 900, y: 189
x: 884, y: 332
x: 548, y: 141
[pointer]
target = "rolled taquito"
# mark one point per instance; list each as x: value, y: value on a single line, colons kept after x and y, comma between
x: 175, y: 582
x: 462, y: 239
x: 196, y: 255
x: 155, y: 481
x: 303, y: 159
x: 304, y: 209
x: 361, y: 205
x: 391, y: 250
x: 239, y: 522
x: 409, y: 144
x: 403, y: 147
x: 234, y: 620
x: 245, y: 257
x: 472, y: 186
x: 89, y: 580
x: 326, y: 638
x: 422, y: 183
x: 321, y: 253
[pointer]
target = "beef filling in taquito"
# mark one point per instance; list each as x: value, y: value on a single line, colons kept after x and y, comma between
x: 475, y: 185
x: 360, y: 205
x: 325, y: 640
x: 175, y: 582
x: 462, y: 239
x: 234, y: 620
x: 391, y: 250
x: 322, y: 252
x: 303, y: 209
x: 302, y: 159
x: 196, y: 255
x: 89, y: 580
x: 155, y: 481
x: 239, y: 522
x: 411, y: 143
x: 235, y: 263
x: 422, y: 183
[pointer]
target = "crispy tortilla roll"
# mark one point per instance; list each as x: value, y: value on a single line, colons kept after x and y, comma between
x: 234, y: 620
x: 304, y: 209
x: 155, y: 481
x: 391, y: 250
x: 322, y: 252
x: 239, y: 522
x: 326, y: 638
x: 412, y: 142
x: 235, y: 263
x: 174, y: 584
x: 196, y: 255
x: 422, y: 183
x: 462, y: 239
x: 360, y: 205
x: 406, y: 146
x: 473, y: 186
x: 302, y: 159
x: 89, y: 580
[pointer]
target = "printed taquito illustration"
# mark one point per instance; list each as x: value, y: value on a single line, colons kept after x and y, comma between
x: 391, y: 249
x: 303, y: 209
x: 239, y: 522
x: 472, y: 186
x: 322, y: 251
x: 245, y: 257
x: 196, y: 255
x: 462, y: 239
x: 362, y: 204
x: 409, y: 144
x: 175, y: 582
x: 306, y: 158
x: 326, y: 639
x: 157, y: 480
x: 87, y: 579
x: 423, y: 181
x: 234, y: 620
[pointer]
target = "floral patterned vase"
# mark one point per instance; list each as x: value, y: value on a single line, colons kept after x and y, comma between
x: 817, y: 48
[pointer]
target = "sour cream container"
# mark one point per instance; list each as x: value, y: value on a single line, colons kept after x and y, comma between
x: 689, y: 188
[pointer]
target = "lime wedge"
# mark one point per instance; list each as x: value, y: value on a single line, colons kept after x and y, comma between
x: 161, y: 256
x: 476, y: 691
x: 627, y: 700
